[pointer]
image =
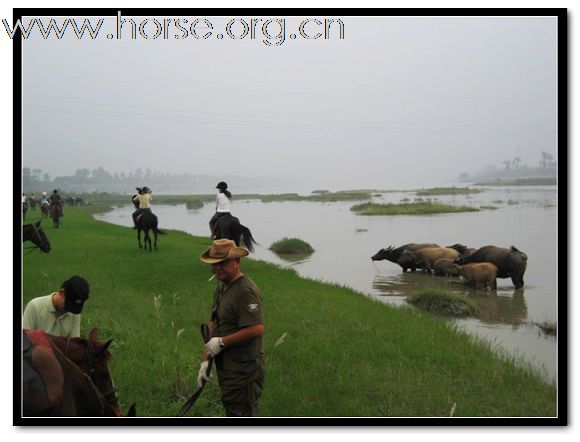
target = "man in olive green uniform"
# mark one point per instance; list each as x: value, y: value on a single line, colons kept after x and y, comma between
x: 237, y: 329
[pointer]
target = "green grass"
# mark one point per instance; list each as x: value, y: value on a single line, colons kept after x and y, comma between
x: 416, y: 208
x: 344, y: 354
x: 444, y: 303
x: 291, y: 246
x: 194, y: 204
x: 448, y: 191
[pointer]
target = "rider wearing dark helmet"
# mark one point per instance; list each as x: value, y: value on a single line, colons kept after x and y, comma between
x: 141, y: 202
x: 222, y: 206
x: 56, y: 200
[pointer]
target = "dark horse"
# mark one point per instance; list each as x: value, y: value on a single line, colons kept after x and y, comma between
x: 147, y: 221
x: 35, y: 234
x: 92, y: 357
x: 55, y: 214
x: 45, y: 209
x: 53, y: 385
x: 24, y: 210
x: 229, y: 227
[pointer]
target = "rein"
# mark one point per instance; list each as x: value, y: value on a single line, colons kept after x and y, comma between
x: 42, y: 241
x: 93, y: 362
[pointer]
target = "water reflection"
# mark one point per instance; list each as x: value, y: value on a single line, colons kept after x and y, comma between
x: 295, y: 258
x: 503, y: 306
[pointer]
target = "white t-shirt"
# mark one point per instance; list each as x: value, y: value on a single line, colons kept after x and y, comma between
x: 23, y: 198
x: 222, y: 203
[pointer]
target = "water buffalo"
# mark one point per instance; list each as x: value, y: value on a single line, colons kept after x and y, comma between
x: 510, y: 263
x: 394, y: 255
x: 464, y: 250
x: 441, y: 266
x: 477, y: 272
x: 426, y: 257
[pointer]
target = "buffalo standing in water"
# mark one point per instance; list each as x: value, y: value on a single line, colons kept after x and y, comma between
x: 394, y: 255
x: 510, y: 263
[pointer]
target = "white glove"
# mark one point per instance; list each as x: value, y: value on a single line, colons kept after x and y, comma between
x: 202, y: 375
x: 214, y: 346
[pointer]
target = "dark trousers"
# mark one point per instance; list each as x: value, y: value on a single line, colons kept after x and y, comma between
x: 243, y: 402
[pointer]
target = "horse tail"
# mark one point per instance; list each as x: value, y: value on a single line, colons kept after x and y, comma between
x: 247, y: 238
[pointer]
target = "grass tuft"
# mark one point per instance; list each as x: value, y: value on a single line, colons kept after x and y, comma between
x: 291, y: 246
x: 444, y: 303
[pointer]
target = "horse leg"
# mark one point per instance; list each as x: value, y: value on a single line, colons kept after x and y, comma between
x: 139, y: 237
x: 147, y: 240
x: 155, y: 237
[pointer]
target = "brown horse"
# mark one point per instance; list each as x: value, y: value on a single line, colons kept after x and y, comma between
x: 55, y: 214
x: 45, y: 209
x: 24, y: 210
x: 92, y: 357
x: 67, y: 377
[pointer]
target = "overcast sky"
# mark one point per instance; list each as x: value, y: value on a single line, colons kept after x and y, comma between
x: 398, y: 102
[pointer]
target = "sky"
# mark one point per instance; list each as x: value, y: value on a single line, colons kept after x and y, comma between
x: 397, y: 102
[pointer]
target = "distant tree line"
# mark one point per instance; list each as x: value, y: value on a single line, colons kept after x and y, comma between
x: 101, y: 180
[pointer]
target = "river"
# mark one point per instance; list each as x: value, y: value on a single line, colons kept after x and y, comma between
x: 526, y: 217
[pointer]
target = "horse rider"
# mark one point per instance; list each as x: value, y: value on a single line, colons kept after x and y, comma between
x: 56, y: 200
x: 222, y: 206
x: 32, y: 202
x: 44, y: 200
x: 141, y: 202
x: 24, y: 200
x: 58, y: 313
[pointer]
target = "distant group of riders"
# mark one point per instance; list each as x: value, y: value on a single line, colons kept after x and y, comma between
x: 50, y: 206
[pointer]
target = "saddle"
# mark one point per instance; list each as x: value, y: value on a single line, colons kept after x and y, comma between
x: 42, y: 376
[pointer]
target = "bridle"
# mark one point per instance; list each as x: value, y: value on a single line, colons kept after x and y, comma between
x: 92, y: 361
x: 43, y: 241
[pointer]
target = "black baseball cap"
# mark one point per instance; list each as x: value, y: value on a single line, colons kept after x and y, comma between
x: 76, y: 292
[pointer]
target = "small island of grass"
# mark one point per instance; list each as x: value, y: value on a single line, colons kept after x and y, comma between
x: 444, y: 303
x: 417, y: 208
x: 291, y: 246
x: 448, y: 191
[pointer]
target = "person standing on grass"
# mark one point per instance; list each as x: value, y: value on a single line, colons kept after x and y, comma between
x: 59, y: 313
x: 237, y: 330
x: 222, y: 206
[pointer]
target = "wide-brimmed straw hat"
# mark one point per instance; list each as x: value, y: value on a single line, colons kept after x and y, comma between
x: 221, y: 250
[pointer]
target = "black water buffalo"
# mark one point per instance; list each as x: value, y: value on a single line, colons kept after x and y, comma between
x: 464, y: 250
x: 394, y: 255
x: 510, y: 263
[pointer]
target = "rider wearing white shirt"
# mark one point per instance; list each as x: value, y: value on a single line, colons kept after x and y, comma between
x: 222, y: 206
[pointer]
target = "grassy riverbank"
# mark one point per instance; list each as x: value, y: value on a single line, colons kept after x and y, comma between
x: 330, y: 351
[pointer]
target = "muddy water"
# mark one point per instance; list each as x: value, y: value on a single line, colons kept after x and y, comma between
x: 344, y: 243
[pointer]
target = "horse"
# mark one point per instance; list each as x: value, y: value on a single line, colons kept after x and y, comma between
x: 35, y: 234
x: 147, y: 221
x: 45, y: 209
x: 33, y: 203
x: 24, y: 210
x: 92, y: 357
x: 229, y: 227
x: 53, y: 385
x: 55, y: 214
